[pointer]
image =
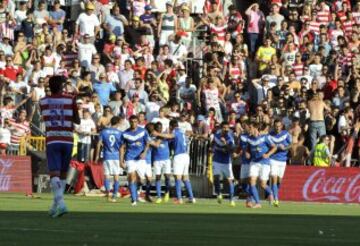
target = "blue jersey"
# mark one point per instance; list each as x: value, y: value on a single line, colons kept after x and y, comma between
x: 179, y: 142
x: 149, y: 154
x: 111, y: 138
x: 283, y: 138
x: 221, y: 153
x: 135, y: 142
x: 258, y: 147
x: 162, y: 152
x: 243, y: 142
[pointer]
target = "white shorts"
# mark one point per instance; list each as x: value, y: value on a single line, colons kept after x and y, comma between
x: 112, y: 167
x: 260, y: 170
x: 181, y: 164
x: 245, y: 171
x: 223, y: 169
x: 162, y: 167
x: 140, y: 167
x: 164, y: 37
x: 277, y: 168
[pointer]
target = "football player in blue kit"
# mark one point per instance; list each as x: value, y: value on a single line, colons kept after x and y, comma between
x: 181, y: 160
x: 260, y: 149
x: 223, y: 146
x: 135, y: 145
x: 162, y: 165
x: 110, y: 141
x: 282, y: 139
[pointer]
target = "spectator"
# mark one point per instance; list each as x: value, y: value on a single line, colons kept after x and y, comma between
x: 85, y: 130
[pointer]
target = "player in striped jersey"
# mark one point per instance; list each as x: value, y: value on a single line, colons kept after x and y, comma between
x: 59, y: 114
x: 282, y: 139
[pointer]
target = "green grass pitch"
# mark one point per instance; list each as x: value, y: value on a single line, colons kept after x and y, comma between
x: 93, y: 221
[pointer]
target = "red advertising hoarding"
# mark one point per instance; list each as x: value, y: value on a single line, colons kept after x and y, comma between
x: 15, y: 174
x: 312, y: 184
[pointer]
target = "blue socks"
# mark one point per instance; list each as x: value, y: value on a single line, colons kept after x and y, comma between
x: 189, y: 189
x: 275, y: 190
x: 231, y: 190
x: 178, y: 189
x: 255, y: 194
x: 116, y: 187
x: 133, y: 191
x: 107, y: 185
x: 158, y: 188
x: 167, y: 184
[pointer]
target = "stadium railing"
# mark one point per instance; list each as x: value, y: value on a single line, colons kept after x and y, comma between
x: 199, y: 157
x: 35, y: 143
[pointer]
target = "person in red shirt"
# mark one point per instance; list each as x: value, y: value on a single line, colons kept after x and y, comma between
x: 10, y: 70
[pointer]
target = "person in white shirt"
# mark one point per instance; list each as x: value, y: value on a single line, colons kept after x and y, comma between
x: 178, y: 51
x: 152, y: 107
x: 316, y: 67
x: 86, y: 51
x: 88, y: 23
x: 162, y: 119
x: 85, y: 130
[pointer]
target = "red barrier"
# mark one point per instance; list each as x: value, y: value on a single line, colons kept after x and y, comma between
x: 337, y: 184
x: 15, y: 174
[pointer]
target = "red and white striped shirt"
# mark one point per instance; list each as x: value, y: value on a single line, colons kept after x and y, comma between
x: 348, y: 27
x: 315, y: 27
x: 298, y: 69
x: 18, y: 130
x: 58, y: 112
x: 323, y: 16
x: 220, y: 32
x: 234, y: 71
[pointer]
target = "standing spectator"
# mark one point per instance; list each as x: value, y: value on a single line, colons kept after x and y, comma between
x: 88, y: 23
x: 85, y: 51
x: 255, y: 25
x: 167, y: 25
x: 85, y: 129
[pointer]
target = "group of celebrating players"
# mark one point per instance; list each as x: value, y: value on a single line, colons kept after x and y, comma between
x: 263, y: 154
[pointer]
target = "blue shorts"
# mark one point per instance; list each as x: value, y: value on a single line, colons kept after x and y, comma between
x: 59, y: 156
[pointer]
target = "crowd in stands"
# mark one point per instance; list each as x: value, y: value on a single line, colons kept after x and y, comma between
x: 202, y: 62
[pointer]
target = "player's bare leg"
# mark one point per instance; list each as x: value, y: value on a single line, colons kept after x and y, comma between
x: 267, y: 189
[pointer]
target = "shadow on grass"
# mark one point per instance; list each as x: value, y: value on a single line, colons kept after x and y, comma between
x: 84, y: 228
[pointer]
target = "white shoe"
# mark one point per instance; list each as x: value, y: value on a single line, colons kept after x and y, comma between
x: 140, y: 199
x: 134, y: 204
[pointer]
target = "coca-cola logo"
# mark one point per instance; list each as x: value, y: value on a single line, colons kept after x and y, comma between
x: 319, y: 187
x: 5, y: 178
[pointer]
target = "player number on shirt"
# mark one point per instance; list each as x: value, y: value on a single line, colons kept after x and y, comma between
x: 57, y: 117
x: 112, y: 140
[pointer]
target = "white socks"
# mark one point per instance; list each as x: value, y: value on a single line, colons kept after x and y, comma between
x: 57, y: 187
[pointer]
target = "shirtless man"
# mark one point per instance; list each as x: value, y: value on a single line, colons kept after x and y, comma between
x: 317, y: 124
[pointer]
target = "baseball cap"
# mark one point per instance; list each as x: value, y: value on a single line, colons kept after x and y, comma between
x: 200, y: 118
x: 148, y: 7
x: 90, y: 6
x: 169, y: 3
x: 186, y: 8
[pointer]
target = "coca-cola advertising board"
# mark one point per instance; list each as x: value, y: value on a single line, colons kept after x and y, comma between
x: 15, y: 174
x: 312, y: 184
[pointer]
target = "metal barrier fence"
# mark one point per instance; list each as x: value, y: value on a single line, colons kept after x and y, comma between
x: 199, y: 157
